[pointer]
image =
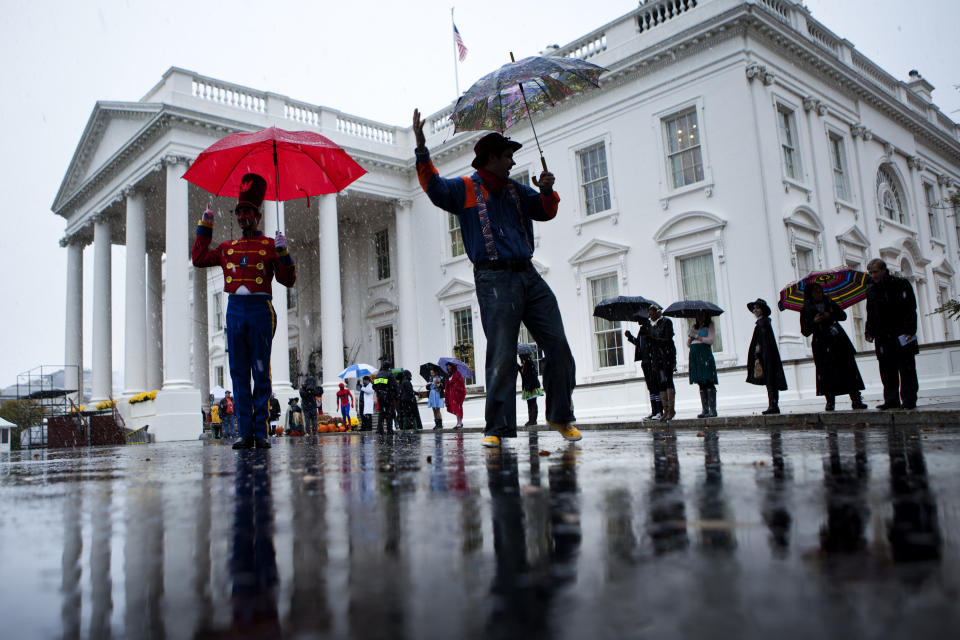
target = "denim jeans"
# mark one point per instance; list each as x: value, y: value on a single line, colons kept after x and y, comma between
x: 506, y: 299
x: 230, y: 425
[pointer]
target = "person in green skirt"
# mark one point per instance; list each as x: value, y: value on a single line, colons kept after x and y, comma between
x: 703, y: 368
x: 530, y: 386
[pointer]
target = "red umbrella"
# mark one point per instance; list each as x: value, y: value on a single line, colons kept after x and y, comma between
x: 302, y: 163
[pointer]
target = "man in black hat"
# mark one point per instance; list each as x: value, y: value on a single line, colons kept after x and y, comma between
x: 249, y: 265
x: 892, y: 327
x: 388, y: 390
x: 496, y: 222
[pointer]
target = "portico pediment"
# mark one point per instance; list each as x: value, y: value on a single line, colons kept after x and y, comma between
x: 688, y: 224
x: 455, y: 287
x: 598, y: 250
x: 854, y: 237
x: 111, y: 126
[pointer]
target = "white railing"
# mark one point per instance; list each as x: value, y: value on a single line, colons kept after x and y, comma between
x: 875, y: 73
x: 822, y: 37
x: 301, y: 112
x: 586, y: 48
x: 781, y: 9
x: 229, y: 95
x: 366, y: 129
x: 653, y: 14
x: 441, y: 123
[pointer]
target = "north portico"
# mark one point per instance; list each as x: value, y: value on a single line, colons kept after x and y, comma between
x: 124, y: 187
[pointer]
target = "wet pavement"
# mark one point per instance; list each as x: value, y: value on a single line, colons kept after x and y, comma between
x: 683, y: 533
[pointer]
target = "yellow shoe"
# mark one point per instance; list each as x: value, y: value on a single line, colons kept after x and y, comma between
x: 568, y: 431
x: 490, y: 441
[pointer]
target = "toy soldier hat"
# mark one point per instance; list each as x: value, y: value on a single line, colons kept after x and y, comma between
x: 759, y: 302
x: 252, y: 189
x: 492, y: 143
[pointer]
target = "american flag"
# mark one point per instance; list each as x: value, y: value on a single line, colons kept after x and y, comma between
x: 461, y: 48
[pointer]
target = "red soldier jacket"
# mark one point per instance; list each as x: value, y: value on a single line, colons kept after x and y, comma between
x: 251, y: 262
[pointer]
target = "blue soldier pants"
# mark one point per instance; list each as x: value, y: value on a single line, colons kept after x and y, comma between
x: 251, y: 323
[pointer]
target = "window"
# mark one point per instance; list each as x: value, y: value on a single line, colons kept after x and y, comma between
x: 522, y: 178
x: 4, y: 436
x: 291, y: 298
x: 956, y: 220
x: 381, y: 244
x: 526, y: 336
x: 218, y: 376
x: 788, y: 142
x: 293, y: 363
x: 593, y: 178
x: 855, y: 314
x: 385, y: 340
x: 218, y: 312
x: 697, y: 282
x: 933, y: 212
x: 456, y: 240
x: 888, y: 196
x: 804, y: 261
x: 463, y: 337
x: 684, y: 159
x: 840, y: 186
x: 943, y: 297
x: 607, y: 334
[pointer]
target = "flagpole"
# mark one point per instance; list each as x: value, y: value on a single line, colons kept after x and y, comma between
x: 453, y: 37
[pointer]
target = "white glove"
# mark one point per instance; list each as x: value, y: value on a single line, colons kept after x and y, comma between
x: 208, y: 216
x: 280, y: 242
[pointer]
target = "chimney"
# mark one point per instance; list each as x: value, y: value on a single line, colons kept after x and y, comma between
x: 919, y: 86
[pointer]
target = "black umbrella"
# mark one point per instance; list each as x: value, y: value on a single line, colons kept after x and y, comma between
x: 621, y: 307
x: 690, y: 308
x: 525, y: 349
x: 426, y: 370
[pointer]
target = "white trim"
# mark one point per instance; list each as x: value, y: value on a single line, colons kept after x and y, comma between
x: 606, y: 139
x: 659, y: 125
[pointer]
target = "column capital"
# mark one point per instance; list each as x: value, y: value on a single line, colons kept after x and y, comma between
x: 759, y: 71
x: 915, y: 162
x: 943, y: 181
x: 73, y: 240
x: 172, y: 160
x: 858, y: 131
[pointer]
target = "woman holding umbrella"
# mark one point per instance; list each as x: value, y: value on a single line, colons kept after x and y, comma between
x: 703, y: 366
x: 663, y: 357
x: 435, y: 399
x: 455, y: 392
x: 529, y: 385
x: 833, y: 353
x: 763, y: 357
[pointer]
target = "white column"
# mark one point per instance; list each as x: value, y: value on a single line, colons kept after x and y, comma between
x: 135, y: 331
x: 178, y: 404
x: 178, y: 317
x: 201, y: 337
x: 102, y: 328
x: 280, y: 351
x: 409, y: 338
x: 331, y: 322
x: 73, y: 339
x: 154, y: 318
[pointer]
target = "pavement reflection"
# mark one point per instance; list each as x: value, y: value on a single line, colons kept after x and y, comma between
x: 847, y: 531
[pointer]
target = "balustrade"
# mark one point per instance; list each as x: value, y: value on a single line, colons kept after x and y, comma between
x: 586, y: 48
x: 230, y: 95
x: 365, y: 129
x: 653, y: 14
x: 781, y: 9
x: 303, y: 113
x: 822, y: 37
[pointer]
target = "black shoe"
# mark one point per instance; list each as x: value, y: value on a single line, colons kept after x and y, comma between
x: 530, y: 423
x: 912, y: 405
x: 261, y: 443
x: 887, y: 406
x: 830, y: 406
x: 859, y: 406
x: 245, y: 443
x: 771, y: 411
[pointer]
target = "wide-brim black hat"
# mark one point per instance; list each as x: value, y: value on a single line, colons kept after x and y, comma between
x: 252, y: 190
x: 492, y: 143
x: 759, y: 302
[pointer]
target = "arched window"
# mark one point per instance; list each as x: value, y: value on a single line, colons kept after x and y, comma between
x: 889, y: 196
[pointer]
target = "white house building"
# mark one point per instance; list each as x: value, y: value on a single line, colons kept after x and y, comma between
x: 733, y: 146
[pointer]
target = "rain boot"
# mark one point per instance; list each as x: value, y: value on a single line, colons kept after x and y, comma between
x: 654, y: 411
x: 668, y: 396
x: 704, y: 403
x: 532, y: 412
x: 831, y: 403
x: 773, y: 402
x: 712, y: 401
x: 856, y: 401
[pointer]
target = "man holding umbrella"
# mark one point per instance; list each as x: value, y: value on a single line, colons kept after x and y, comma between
x: 496, y: 222
x: 249, y: 265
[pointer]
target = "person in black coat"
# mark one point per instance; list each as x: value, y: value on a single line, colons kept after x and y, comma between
x: 529, y: 386
x: 308, y: 404
x: 833, y: 354
x: 387, y: 390
x: 642, y: 353
x: 892, y: 327
x: 763, y: 357
x: 663, y: 358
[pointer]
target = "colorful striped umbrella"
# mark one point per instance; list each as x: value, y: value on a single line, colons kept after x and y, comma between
x: 844, y: 286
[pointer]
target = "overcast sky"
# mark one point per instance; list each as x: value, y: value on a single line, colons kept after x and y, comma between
x: 372, y: 58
